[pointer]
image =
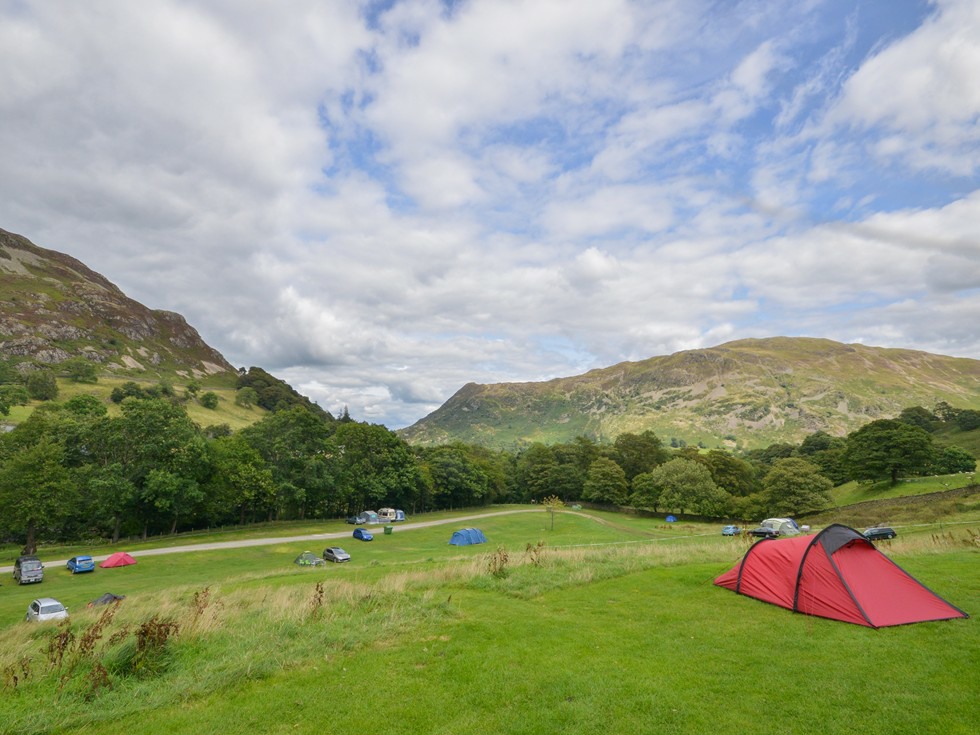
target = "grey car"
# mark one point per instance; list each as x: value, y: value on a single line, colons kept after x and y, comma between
x: 27, y: 569
x: 335, y: 553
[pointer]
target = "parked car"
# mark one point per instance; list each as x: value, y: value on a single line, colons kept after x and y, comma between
x: 363, y: 534
x: 27, y: 569
x: 335, y: 553
x: 879, y: 534
x: 731, y: 531
x: 45, y: 608
x: 79, y: 564
x: 764, y: 532
x: 359, y: 520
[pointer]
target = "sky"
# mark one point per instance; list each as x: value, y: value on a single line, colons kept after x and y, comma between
x: 380, y: 202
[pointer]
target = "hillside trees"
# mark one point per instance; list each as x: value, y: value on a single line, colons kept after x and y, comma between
x: 887, y: 449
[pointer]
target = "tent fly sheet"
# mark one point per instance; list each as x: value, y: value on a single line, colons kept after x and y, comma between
x: 836, y: 574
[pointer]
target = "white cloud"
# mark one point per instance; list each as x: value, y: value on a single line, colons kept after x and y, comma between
x: 919, y: 94
x: 381, y: 204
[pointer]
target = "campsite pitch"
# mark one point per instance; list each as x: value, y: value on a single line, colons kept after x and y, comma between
x: 617, y: 631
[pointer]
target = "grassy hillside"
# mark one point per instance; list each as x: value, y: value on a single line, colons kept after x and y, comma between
x: 747, y: 394
x: 223, y: 385
x: 625, y: 633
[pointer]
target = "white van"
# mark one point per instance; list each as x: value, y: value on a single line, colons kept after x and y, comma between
x: 387, y: 514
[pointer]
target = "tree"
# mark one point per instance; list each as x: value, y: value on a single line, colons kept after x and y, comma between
x: 638, y: 453
x: 80, y: 370
x: 921, y: 417
x: 36, y: 491
x: 210, y: 400
x: 246, y: 397
x: 41, y: 385
x: 794, y: 485
x: 553, y: 504
x: 967, y: 419
x: 240, y: 481
x: 12, y: 395
x: 888, y: 449
x: 954, y: 459
x: 369, y: 464
x: 646, y: 491
x: 733, y: 475
x: 86, y: 405
x: 535, y: 471
x: 606, y: 483
x: 293, y: 443
x: 687, y: 485
x: 455, y: 480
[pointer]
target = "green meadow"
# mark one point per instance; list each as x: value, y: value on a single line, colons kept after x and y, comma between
x: 605, y: 623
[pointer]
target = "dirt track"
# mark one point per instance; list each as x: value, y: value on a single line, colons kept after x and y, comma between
x: 283, y: 539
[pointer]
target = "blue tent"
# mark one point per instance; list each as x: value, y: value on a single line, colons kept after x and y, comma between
x: 670, y: 519
x: 467, y: 536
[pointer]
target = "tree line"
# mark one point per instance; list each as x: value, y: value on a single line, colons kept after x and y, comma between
x: 74, y: 472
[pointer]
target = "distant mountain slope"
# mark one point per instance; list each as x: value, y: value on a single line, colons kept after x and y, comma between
x: 53, y: 307
x: 747, y: 393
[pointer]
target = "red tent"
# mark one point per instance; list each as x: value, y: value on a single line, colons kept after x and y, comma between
x: 836, y: 574
x: 119, y: 559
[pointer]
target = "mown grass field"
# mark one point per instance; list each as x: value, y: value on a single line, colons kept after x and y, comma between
x: 612, y: 626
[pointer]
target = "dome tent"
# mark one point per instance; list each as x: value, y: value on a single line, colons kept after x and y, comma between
x: 468, y: 536
x: 308, y: 559
x: 836, y: 574
x: 119, y: 559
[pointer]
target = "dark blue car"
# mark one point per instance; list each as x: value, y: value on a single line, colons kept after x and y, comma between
x: 79, y: 564
x: 363, y: 534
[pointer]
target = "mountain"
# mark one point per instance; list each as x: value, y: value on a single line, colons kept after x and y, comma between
x: 747, y: 393
x: 53, y: 307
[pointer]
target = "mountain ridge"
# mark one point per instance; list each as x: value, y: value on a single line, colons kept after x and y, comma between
x: 53, y: 307
x: 744, y: 393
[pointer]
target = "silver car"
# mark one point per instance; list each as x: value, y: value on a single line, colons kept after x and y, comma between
x: 46, y: 608
x: 335, y: 553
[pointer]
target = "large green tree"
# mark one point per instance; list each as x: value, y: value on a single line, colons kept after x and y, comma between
x: 606, y: 483
x: 888, y: 449
x: 36, y: 491
x: 371, y: 464
x: 686, y: 485
x: 794, y: 486
x: 638, y: 453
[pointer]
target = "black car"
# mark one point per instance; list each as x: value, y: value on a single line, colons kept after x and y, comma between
x: 764, y: 532
x: 880, y: 534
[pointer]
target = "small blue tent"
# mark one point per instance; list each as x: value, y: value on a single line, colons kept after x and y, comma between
x: 467, y: 536
x: 670, y: 519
